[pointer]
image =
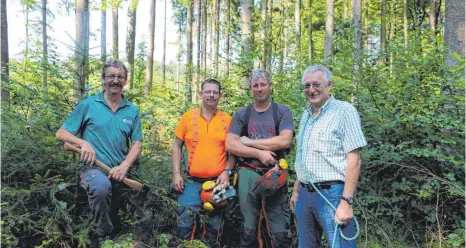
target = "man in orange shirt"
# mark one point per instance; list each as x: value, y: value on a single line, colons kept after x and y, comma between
x: 203, y: 130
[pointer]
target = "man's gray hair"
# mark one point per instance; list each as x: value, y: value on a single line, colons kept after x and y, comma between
x: 114, y: 63
x: 313, y: 68
x: 257, y: 74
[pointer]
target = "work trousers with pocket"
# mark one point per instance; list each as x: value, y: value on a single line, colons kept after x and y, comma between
x: 277, y: 212
x: 106, y: 197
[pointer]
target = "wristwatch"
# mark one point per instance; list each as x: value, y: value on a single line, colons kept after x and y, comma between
x: 229, y: 171
x: 349, y: 199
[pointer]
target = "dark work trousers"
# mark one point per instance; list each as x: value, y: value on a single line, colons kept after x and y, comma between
x: 278, y: 214
x: 106, y: 197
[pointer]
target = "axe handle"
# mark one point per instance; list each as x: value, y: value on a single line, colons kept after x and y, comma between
x: 131, y: 183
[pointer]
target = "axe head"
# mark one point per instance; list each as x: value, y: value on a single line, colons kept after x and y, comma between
x: 138, y: 197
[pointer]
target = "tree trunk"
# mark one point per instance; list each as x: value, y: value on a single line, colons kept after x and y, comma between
x: 44, y: 44
x: 263, y: 35
x: 189, y: 52
x: 131, y: 41
x: 268, y: 58
x: 178, y: 67
x: 82, y: 49
x: 357, y: 6
x: 115, y: 31
x: 247, y: 37
x: 216, y: 34
x: 204, y: 37
x: 433, y: 14
x: 366, y: 24
x: 164, y: 62
x: 310, y: 43
x: 5, y: 73
x: 297, y: 28
x: 454, y: 31
x: 26, y: 41
x: 383, y: 31
x: 345, y: 9
x: 103, y: 31
x: 282, y: 36
x: 198, y: 43
x: 405, y: 22
x: 328, y: 29
x: 150, y: 49
x: 392, y: 33
x: 227, y: 39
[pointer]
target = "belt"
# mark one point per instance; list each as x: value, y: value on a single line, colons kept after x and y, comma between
x: 321, y: 185
x: 202, y: 180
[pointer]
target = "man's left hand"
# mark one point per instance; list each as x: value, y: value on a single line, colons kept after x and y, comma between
x: 224, y: 179
x: 344, y: 212
x: 118, y: 173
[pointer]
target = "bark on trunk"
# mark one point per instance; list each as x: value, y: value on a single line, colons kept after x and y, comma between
x: 131, y: 41
x: 227, y: 38
x: 328, y: 30
x: 150, y: 49
x: 5, y: 73
x: 216, y: 34
x: 433, y: 14
x: 164, y: 62
x: 189, y: 52
x: 44, y: 44
x: 405, y: 22
x: 115, y: 31
x: 204, y: 37
x: 454, y: 31
x: 247, y: 37
x: 103, y: 31
x: 383, y: 31
x: 297, y: 21
x: 82, y: 49
x: 311, y: 42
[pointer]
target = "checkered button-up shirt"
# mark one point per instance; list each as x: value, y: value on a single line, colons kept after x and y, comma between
x: 325, y: 139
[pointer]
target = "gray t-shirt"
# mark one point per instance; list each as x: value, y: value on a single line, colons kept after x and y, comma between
x: 261, y: 125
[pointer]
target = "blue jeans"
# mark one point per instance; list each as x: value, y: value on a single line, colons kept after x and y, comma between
x: 190, y: 206
x: 314, y: 215
x: 105, y: 197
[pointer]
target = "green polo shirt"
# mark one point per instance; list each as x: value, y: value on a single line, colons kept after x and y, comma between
x: 109, y: 133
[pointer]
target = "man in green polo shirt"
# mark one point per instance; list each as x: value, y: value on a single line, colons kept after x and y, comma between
x: 106, y: 122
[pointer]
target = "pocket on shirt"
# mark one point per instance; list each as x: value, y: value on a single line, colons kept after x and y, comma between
x: 325, y: 143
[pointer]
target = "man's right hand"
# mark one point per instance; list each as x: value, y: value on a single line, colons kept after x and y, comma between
x: 178, y: 183
x: 87, y: 153
x: 266, y: 157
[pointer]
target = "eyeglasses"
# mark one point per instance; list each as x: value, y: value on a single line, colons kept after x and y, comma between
x: 313, y: 85
x: 210, y: 92
x: 112, y: 77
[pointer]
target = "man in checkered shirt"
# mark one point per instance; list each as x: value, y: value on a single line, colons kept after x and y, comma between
x: 328, y: 155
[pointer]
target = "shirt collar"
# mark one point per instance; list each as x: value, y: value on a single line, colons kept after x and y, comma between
x: 200, y: 111
x: 100, y: 98
x: 323, y: 108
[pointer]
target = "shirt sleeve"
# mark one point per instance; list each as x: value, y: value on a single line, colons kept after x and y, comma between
x: 286, y: 122
x: 77, y: 118
x: 137, y: 133
x: 353, y: 137
x: 180, y: 131
x: 237, y: 122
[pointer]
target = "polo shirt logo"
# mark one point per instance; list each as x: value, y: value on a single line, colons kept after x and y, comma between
x: 127, y: 121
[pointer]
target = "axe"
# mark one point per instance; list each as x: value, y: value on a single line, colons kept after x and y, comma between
x: 139, y: 187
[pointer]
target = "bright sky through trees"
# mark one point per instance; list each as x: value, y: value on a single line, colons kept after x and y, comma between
x: 61, y: 29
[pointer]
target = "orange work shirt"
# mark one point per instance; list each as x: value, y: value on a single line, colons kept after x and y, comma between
x: 210, y: 155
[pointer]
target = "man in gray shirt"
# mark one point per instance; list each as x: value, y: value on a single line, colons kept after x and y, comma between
x: 259, y: 134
